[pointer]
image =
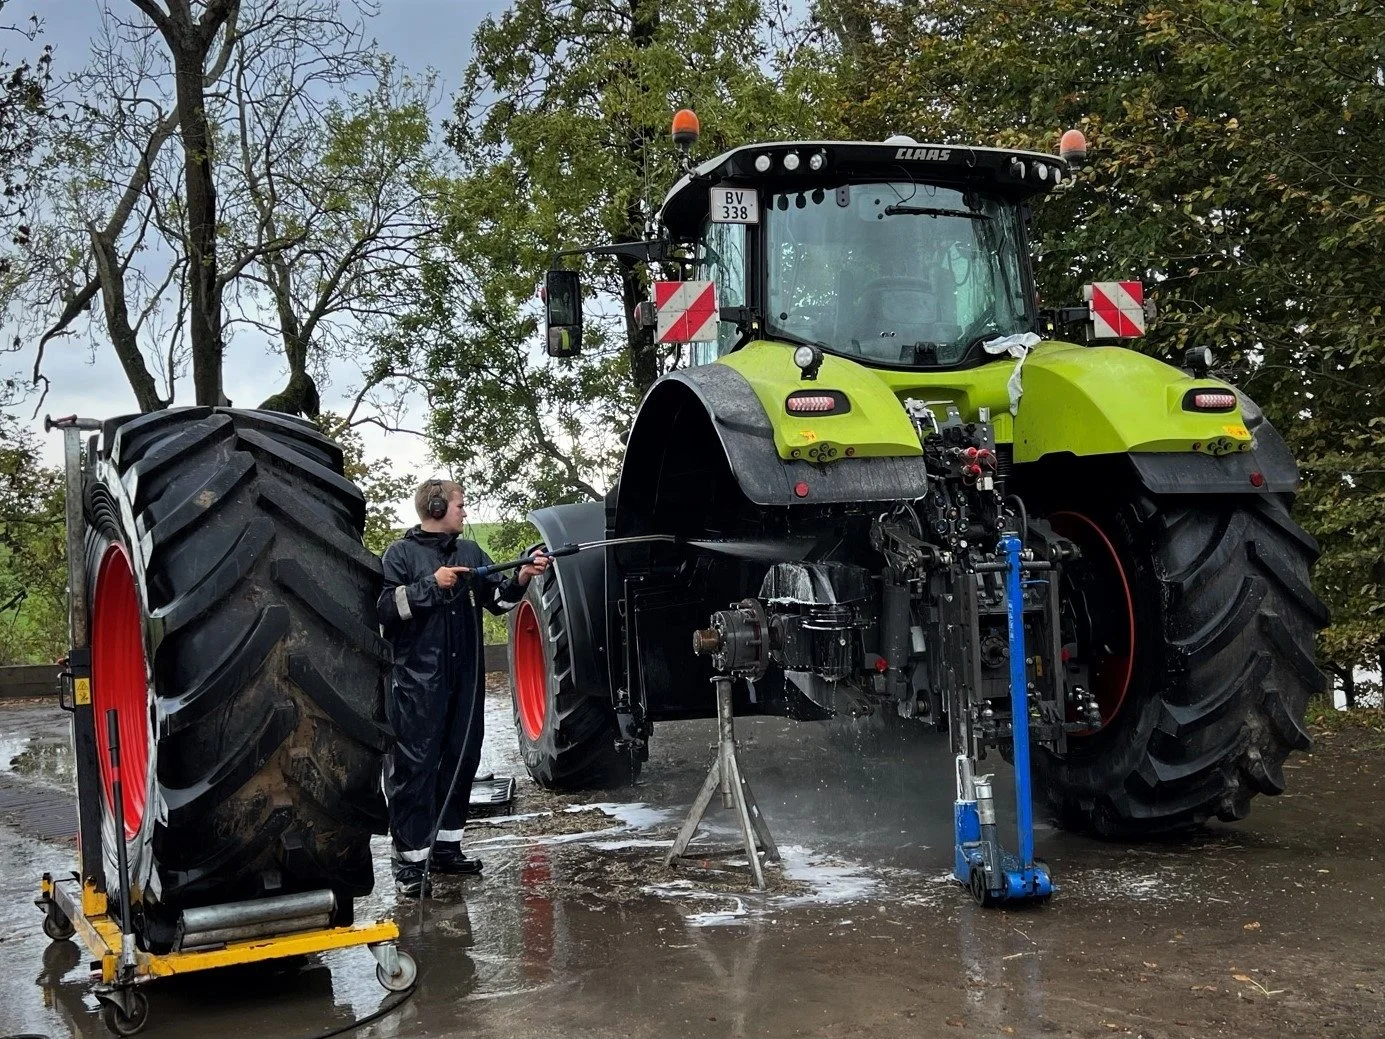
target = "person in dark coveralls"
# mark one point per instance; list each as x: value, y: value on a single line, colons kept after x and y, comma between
x: 430, y: 610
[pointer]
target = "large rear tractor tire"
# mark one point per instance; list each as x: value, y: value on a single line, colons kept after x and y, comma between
x: 566, y: 734
x: 231, y: 604
x: 1197, y: 621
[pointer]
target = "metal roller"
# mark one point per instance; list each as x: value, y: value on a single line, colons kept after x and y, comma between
x: 265, y: 929
x: 257, y: 911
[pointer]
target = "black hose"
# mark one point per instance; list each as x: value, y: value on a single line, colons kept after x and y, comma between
x: 1024, y: 516
x: 374, y: 1015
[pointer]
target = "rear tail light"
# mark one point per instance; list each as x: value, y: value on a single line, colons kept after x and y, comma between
x: 816, y: 402
x: 1209, y: 400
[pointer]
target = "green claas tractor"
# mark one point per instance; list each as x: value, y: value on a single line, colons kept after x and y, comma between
x: 820, y: 504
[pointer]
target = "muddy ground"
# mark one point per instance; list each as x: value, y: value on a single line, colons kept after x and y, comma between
x: 1270, y: 927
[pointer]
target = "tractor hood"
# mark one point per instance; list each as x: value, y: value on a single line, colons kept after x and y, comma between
x: 1078, y: 400
x: 731, y: 430
x: 1007, y: 173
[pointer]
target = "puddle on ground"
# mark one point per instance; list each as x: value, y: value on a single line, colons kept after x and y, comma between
x: 46, y: 757
x: 578, y: 929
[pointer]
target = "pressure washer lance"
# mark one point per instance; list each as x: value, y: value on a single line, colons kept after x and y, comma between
x: 756, y: 548
x: 569, y: 549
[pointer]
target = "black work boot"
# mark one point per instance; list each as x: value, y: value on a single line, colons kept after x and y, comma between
x: 410, y: 882
x: 448, y: 858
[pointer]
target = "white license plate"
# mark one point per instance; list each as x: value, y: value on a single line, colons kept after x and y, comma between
x: 735, y: 206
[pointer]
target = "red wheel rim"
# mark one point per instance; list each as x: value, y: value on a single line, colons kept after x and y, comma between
x: 1111, y: 666
x: 119, y: 680
x: 531, y: 672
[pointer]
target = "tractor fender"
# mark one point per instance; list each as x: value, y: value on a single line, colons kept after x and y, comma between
x: 582, y: 586
x: 1093, y: 401
x: 714, y: 407
x: 1268, y: 468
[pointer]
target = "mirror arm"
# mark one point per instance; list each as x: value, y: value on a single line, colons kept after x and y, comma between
x: 653, y: 251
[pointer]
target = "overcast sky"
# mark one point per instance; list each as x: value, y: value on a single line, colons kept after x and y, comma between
x: 421, y: 33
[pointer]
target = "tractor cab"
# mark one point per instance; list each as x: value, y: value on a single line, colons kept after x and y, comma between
x: 893, y: 254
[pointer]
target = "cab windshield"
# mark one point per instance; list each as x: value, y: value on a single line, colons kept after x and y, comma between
x: 894, y: 273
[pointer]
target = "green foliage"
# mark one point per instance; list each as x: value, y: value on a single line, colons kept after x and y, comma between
x: 1238, y: 169
x: 33, y: 556
x: 508, y: 539
x: 561, y: 129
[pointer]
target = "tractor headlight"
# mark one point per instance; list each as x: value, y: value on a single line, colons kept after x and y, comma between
x: 1198, y: 360
x: 809, y: 360
x: 763, y: 163
x: 791, y: 161
x: 817, y: 161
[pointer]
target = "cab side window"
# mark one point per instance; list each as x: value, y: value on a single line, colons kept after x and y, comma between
x: 725, y: 266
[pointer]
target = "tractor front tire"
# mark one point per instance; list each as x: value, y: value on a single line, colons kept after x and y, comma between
x: 1201, y: 716
x: 232, y: 605
x: 567, y: 735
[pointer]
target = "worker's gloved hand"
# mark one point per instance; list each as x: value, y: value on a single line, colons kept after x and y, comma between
x: 532, y: 569
x: 447, y: 576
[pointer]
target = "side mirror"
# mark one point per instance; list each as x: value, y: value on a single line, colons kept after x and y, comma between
x: 562, y: 312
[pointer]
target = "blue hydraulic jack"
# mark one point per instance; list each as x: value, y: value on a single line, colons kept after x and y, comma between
x: 993, y: 874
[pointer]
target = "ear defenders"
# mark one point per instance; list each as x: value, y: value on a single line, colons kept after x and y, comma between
x: 437, y: 501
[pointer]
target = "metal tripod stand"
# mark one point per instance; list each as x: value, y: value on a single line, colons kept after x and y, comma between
x: 725, y: 776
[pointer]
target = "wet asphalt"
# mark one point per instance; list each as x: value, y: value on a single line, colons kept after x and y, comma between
x: 1274, y: 926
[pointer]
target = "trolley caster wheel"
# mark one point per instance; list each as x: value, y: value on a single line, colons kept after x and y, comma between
x: 114, y: 1016
x: 403, y: 979
x: 977, y: 885
x: 56, y: 925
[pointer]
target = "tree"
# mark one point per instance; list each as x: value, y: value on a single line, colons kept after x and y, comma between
x: 190, y: 39
x: 561, y: 128
x: 321, y: 165
x: 1237, y: 170
x: 26, y: 108
x: 332, y: 210
x: 33, y: 556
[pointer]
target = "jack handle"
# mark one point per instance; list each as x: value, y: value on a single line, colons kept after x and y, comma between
x: 69, y: 422
x: 127, y: 939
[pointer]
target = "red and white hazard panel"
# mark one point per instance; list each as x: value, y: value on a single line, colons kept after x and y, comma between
x: 1117, y: 308
x: 687, y: 311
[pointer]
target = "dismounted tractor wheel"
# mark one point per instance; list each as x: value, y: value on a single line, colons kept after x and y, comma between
x: 1195, y: 618
x: 230, y: 605
x: 568, y: 737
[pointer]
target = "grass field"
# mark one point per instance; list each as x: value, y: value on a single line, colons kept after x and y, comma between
x: 481, y: 534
